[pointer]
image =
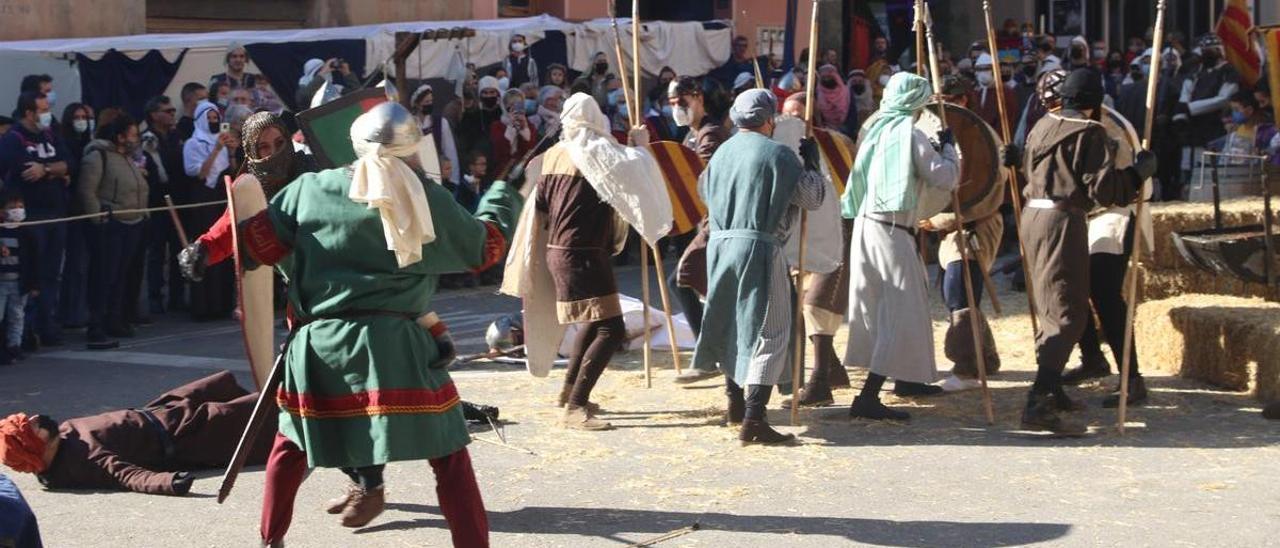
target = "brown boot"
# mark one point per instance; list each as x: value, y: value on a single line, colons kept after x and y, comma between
x: 363, y: 507
x: 581, y: 418
x: 563, y: 400
x: 760, y: 432
x: 824, y: 350
x: 339, y: 503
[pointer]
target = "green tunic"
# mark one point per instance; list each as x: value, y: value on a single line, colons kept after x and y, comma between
x: 357, y: 390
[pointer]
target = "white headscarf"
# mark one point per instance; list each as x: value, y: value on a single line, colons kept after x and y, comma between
x: 309, y: 70
x: 382, y: 180
x: 626, y: 178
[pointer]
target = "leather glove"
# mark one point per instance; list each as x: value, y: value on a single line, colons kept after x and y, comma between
x: 444, y: 342
x: 1144, y: 165
x: 1181, y: 112
x: 1011, y: 155
x: 191, y: 261
x: 945, y: 137
x: 182, y: 483
x: 809, y: 153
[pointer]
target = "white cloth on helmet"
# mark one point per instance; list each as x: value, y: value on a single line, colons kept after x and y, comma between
x: 384, y: 182
x: 626, y: 178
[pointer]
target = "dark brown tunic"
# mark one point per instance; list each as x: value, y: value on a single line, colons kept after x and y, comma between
x: 691, y: 270
x: 1071, y: 161
x: 580, y: 241
x: 124, y: 450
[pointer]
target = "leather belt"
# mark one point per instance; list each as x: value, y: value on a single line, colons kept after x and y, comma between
x: 166, y: 440
x: 891, y: 224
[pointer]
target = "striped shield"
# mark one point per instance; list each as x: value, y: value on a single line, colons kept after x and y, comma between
x: 681, y: 168
x: 838, y: 154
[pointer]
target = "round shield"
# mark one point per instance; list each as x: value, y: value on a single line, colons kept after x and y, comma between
x: 981, y: 178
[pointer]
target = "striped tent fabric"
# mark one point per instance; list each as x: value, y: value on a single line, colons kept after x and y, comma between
x: 1271, y: 38
x: 838, y: 154
x: 1233, y: 30
x: 681, y: 168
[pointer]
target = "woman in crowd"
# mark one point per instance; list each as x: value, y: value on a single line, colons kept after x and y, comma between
x: 77, y: 130
x: 511, y: 136
x: 207, y: 156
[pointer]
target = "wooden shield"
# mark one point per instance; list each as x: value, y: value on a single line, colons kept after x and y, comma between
x: 981, y: 177
x: 245, y: 199
x: 681, y: 168
x: 838, y: 152
x: 328, y: 126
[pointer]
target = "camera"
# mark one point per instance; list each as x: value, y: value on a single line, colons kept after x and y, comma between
x: 224, y: 127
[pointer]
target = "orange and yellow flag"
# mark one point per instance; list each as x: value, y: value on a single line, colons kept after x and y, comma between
x: 1233, y: 30
x: 1271, y: 38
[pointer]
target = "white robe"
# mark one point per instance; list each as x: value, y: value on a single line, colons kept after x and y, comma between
x: 890, y: 331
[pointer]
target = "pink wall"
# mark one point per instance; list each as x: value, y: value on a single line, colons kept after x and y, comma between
x: 578, y: 10
x: 771, y: 13
x: 484, y: 9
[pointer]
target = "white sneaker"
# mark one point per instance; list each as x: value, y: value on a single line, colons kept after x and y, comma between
x: 960, y: 384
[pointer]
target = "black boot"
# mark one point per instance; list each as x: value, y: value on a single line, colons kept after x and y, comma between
x: 904, y: 389
x: 1272, y: 411
x: 758, y: 431
x: 1090, y: 368
x: 816, y: 391
x: 1064, y: 402
x: 865, y: 407
x: 1137, y: 394
x: 1041, y: 414
x: 824, y: 348
x: 737, y: 408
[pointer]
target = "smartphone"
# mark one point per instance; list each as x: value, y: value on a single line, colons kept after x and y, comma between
x: 225, y: 127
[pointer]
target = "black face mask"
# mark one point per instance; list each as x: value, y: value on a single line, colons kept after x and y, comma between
x: 489, y: 102
x: 600, y: 68
x: 1029, y: 72
x: 829, y: 83
x: 859, y: 89
x: 1209, y: 58
x: 215, y: 127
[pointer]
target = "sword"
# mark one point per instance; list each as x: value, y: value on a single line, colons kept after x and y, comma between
x: 264, y: 405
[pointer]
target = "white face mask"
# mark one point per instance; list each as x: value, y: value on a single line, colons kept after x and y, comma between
x: 46, y: 120
x: 517, y: 47
x: 52, y: 96
x: 884, y: 80
x: 985, y: 78
x: 15, y: 215
x: 682, y: 116
x: 80, y: 126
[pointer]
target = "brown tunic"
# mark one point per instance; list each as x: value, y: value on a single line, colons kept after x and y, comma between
x: 691, y: 270
x: 580, y: 239
x: 123, y: 450
x: 1071, y: 161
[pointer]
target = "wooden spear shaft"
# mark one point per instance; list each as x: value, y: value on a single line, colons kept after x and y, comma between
x: 1135, y: 255
x: 1013, y: 175
x: 962, y: 240
x: 798, y: 318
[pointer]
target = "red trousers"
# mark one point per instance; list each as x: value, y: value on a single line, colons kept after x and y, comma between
x: 456, y: 489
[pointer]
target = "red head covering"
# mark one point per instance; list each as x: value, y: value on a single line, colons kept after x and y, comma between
x: 21, y: 447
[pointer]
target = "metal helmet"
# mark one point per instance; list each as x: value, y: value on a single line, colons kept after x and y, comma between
x: 1210, y: 40
x: 1048, y: 88
x: 388, y: 124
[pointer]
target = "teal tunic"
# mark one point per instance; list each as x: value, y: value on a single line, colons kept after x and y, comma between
x: 750, y: 187
x: 357, y: 390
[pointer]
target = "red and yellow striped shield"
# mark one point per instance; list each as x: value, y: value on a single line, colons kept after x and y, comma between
x: 1233, y: 29
x: 838, y: 152
x: 681, y: 168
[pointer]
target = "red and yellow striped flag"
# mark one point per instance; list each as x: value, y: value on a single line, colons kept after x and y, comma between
x: 1233, y: 30
x: 1271, y: 38
x: 680, y: 169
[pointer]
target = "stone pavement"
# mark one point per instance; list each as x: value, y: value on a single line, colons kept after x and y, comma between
x: 1198, y: 467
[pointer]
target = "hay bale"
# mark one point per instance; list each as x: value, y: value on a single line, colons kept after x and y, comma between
x: 1164, y: 283
x: 1170, y: 217
x: 1230, y: 342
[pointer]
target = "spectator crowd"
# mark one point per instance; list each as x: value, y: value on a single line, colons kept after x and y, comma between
x: 111, y: 273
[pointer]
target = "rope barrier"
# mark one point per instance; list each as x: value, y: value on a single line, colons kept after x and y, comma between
x: 110, y: 213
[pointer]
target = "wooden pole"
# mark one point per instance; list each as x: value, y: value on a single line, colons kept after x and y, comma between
x: 622, y: 67
x: 798, y: 318
x: 177, y: 223
x: 962, y: 240
x: 755, y: 61
x: 1135, y: 255
x: 644, y: 257
x: 1007, y: 134
x: 666, y: 307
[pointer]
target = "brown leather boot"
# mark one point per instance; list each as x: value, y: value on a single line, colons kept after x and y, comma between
x: 364, y: 506
x: 592, y: 407
x: 339, y: 503
x: 824, y: 350
x: 759, y: 432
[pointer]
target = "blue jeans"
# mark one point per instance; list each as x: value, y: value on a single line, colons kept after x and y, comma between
x: 953, y: 285
x: 12, y: 301
x: 111, y: 246
x: 50, y: 241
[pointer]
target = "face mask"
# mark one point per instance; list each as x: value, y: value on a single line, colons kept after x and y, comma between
x: 489, y: 102
x: 614, y: 97
x: 682, y: 116
x: 1238, y: 117
x: 46, y: 120
x: 530, y: 107
x: 859, y: 89
x: 222, y: 103
x: 52, y: 96
x: 600, y: 68
x: 214, y: 127
x: 273, y: 170
x: 1029, y: 71
x: 80, y: 126
x: 829, y: 83
x: 1210, y: 58
x: 15, y: 215
x: 884, y: 80
x: 623, y: 112
x: 985, y: 78
x: 517, y: 47
x: 667, y: 111
x: 1099, y: 54
x: 504, y: 83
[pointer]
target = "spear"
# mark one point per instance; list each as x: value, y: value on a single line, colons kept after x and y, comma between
x: 1135, y: 255
x: 798, y: 318
x: 961, y: 238
x: 1013, y: 173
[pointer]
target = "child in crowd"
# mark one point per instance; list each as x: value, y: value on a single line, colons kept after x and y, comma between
x: 17, y: 278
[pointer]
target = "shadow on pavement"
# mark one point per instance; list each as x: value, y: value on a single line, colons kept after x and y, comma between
x: 609, y: 523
